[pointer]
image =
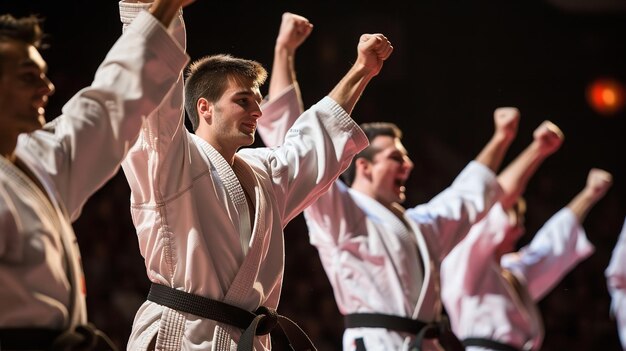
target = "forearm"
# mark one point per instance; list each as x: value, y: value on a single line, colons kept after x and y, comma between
x: 164, y: 11
x: 348, y: 91
x: 581, y: 204
x: 493, y: 153
x: 283, y: 70
x: 515, y: 177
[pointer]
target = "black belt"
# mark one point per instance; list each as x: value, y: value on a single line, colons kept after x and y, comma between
x: 489, y: 343
x: 83, y: 337
x: 260, y: 322
x: 422, y: 330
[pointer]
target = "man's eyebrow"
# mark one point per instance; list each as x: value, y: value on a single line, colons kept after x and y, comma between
x: 244, y: 92
x: 29, y: 63
x: 248, y: 93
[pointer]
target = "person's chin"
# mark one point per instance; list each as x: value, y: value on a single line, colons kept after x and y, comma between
x: 247, y: 140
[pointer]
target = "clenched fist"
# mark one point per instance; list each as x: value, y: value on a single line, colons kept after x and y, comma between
x: 548, y: 137
x: 506, y: 120
x: 373, y: 50
x: 294, y: 29
x: 598, y: 183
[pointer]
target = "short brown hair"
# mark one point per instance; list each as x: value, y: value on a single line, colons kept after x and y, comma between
x: 24, y: 29
x: 372, y: 130
x: 207, y: 78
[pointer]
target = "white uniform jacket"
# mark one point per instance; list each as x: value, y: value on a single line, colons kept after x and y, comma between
x: 616, y: 282
x: 41, y: 279
x: 375, y: 264
x: 193, y: 222
x: 478, y: 299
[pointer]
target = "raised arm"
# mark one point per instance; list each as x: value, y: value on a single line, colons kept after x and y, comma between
x: 547, y: 139
x: 373, y: 50
x: 561, y: 243
x: 506, y: 120
x: 163, y: 10
x: 294, y: 30
x: 105, y: 118
x: 598, y: 182
x: 284, y: 105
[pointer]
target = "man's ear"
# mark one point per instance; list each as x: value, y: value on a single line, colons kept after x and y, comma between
x: 363, y: 166
x: 205, y: 110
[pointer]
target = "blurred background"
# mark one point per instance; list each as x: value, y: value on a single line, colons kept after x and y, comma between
x: 454, y: 62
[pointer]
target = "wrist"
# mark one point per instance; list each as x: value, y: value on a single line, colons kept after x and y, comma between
x: 541, y: 149
x: 163, y: 12
x: 362, y: 69
x: 590, y: 194
x: 283, y: 50
x: 502, y: 138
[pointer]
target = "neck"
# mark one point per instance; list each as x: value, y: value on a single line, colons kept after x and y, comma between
x: 365, y: 189
x: 7, y: 147
x: 227, y: 154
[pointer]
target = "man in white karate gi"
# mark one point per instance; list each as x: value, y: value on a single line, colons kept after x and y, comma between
x: 383, y: 261
x: 491, y: 292
x: 616, y: 282
x: 210, y: 217
x: 48, y: 171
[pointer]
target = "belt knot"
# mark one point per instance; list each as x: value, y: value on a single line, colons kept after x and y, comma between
x: 268, y: 321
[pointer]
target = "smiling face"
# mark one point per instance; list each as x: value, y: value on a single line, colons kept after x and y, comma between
x: 231, y: 121
x: 387, y: 172
x: 24, y: 89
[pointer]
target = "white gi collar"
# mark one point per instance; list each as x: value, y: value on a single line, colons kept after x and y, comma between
x: 233, y: 187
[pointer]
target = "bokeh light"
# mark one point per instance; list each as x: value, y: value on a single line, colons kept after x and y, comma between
x: 606, y: 96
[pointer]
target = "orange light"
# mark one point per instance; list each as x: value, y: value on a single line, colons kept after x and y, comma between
x: 606, y: 96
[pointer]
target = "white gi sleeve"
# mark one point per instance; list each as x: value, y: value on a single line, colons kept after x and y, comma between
x: 556, y: 248
x: 448, y: 217
x: 83, y: 147
x: 616, y: 282
x: 317, y: 149
x: 279, y: 114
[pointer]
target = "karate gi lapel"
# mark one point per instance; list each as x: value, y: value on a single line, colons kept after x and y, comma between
x: 411, y: 233
x: 237, y: 199
x: 53, y: 210
x: 428, y: 296
x: 237, y: 292
x: 526, y: 305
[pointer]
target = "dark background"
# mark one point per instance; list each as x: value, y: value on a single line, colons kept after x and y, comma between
x: 454, y: 63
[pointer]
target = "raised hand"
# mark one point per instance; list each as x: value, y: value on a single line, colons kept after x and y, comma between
x: 506, y: 121
x: 165, y: 10
x: 548, y: 137
x: 598, y: 182
x: 294, y: 29
x: 373, y: 50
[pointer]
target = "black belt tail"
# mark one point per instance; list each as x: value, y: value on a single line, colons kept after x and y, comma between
x: 263, y: 321
x: 422, y: 330
x: 489, y: 343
